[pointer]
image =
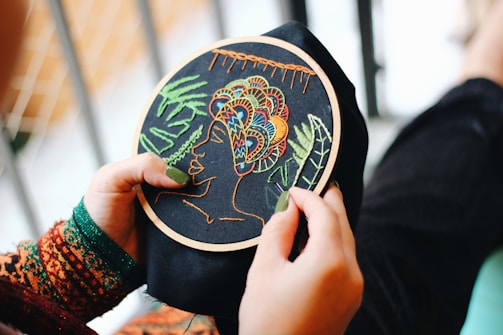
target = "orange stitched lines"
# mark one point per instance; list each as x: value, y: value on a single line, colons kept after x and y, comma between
x: 209, y: 220
x: 215, y: 137
x: 206, y: 190
x: 235, y: 56
x: 231, y: 219
x: 240, y: 211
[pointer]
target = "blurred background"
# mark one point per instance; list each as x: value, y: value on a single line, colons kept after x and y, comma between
x: 88, y: 67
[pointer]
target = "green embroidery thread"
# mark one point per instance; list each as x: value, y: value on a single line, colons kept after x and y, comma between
x: 283, y: 172
x: 173, y: 94
x: 304, y: 152
x: 302, y: 148
x: 185, y: 107
x: 148, y: 145
x: 322, y: 140
x: 267, y: 163
x: 185, y: 148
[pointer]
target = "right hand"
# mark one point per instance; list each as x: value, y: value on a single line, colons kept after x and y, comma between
x: 321, y: 290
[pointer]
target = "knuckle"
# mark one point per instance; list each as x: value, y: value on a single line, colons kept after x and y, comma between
x: 104, y: 171
x: 149, y: 158
x: 342, y: 269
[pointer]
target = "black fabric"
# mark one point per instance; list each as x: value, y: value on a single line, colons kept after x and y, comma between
x: 354, y: 140
x: 431, y: 215
x: 247, y: 177
x: 212, y: 283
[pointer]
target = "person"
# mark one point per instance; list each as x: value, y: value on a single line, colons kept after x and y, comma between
x: 85, y: 265
x: 430, y: 216
x: 109, y: 202
x: 431, y: 212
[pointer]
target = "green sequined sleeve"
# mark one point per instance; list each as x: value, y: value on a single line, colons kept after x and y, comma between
x: 76, y: 265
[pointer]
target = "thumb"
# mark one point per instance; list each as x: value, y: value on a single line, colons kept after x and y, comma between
x: 122, y: 176
x: 278, y: 234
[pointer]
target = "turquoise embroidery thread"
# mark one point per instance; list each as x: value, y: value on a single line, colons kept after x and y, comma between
x: 255, y: 115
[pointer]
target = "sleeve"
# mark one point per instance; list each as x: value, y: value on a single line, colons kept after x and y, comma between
x: 76, y: 265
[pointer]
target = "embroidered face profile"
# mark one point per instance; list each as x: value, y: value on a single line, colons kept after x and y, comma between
x: 246, y: 118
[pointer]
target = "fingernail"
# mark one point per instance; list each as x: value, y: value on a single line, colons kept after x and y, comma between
x: 336, y: 184
x: 282, y: 203
x: 177, y: 175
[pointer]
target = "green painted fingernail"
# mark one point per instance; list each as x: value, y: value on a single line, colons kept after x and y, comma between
x: 177, y: 175
x: 282, y: 203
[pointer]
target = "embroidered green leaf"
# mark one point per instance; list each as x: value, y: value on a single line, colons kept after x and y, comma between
x: 317, y: 158
x: 180, y: 104
x: 162, y: 134
x: 178, y: 128
x: 304, y: 143
x: 193, y: 105
x: 148, y: 145
x: 186, y: 147
x: 173, y: 94
x: 283, y: 171
x: 306, y: 135
x: 302, y: 147
x: 157, y: 133
x: 310, y: 149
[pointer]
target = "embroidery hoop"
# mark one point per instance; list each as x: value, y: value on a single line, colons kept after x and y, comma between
x: 321, y: 183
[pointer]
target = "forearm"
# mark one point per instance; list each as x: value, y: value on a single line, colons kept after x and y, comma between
x: 76, y: 265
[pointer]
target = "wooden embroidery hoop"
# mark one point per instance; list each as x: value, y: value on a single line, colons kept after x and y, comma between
x: 323, y: 180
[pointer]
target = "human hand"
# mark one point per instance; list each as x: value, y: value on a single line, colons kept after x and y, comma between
x: 321, y: 290
x: 110, y: 198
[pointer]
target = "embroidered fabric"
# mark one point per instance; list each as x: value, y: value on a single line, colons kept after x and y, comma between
x: 212, y: 283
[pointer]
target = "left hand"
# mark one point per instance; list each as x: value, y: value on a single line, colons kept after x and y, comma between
x: 110, y: 198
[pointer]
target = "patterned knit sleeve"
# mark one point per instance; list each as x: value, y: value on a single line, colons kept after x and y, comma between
x: 76, y: 265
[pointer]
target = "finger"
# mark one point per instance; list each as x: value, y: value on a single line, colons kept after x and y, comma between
x: 333, y: 198
x: 278, y: 235
x: 322, y: 220
x: 122, y: 176
x: 335, y: 194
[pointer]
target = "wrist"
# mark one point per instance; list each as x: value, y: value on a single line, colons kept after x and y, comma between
x: 101, y: 243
